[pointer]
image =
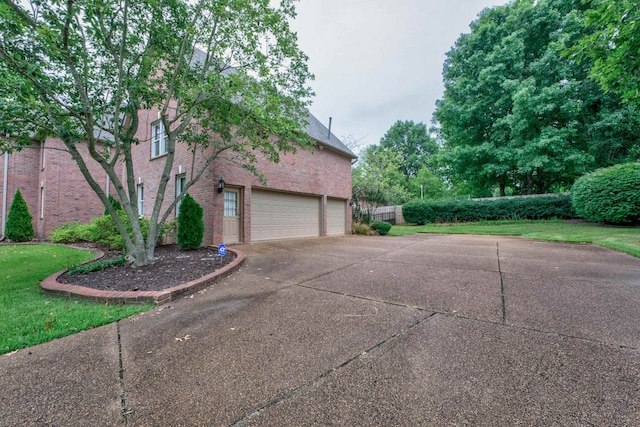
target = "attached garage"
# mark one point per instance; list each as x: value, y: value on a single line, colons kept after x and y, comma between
x: 276, y: 215
x: 336, y: 217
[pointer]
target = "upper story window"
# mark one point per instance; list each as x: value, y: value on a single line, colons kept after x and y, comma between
x: 158, y: 140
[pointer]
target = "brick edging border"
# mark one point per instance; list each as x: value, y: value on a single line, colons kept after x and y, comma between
x: 51, y: 286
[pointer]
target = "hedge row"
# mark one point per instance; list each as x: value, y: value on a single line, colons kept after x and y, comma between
x: 543, y: 207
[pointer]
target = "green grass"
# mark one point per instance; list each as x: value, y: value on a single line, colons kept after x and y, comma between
x: 28, y: 317
x: 624, y: 239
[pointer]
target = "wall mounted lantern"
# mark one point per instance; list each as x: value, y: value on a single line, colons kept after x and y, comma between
x: 220, y: 185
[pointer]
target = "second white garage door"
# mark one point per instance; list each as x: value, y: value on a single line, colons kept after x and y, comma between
x: 283, y: 216
x: 336, y: 217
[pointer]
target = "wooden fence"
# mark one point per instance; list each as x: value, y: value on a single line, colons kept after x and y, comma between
x: 390, y: 214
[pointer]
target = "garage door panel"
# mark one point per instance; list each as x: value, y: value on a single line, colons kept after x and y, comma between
x: 282, y: 215
x: 336, y: 217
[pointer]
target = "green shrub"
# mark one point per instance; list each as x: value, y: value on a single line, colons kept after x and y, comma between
x: 542, y: 207
x: 115, y: 203
x: 103, y: 230
x: 71, y: 232
x: 190, y: 224
x: 382, y: 227
x: 96, y: 265
x: 609, y: 195
x: 168, y: 232
x: 18, y: 227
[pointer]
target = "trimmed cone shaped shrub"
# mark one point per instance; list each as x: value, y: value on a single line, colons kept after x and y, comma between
x: 610, y: 195
x: 18, y: 226
x: 190, y: 224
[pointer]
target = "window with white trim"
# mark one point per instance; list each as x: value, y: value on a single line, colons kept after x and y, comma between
x: 181, y: 181
x: 140, y: 199
x: 230, y: 203
x: 158, y: 140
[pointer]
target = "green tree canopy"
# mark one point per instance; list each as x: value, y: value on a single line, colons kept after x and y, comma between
x: 414, y: 145
x: 425, y: 185
x: 82, y: 71
x: 378, y: 179
x: 394, y: 171
x: 613, y: 44
x: 517, y: 114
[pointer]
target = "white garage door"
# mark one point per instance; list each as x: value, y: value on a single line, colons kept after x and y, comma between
x: 283, y: 216
x: 336, y: 217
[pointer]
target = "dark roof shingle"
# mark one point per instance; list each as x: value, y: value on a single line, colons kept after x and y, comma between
x: 319, y: 132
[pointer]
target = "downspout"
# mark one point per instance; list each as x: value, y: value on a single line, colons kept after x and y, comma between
x: 4, y: 194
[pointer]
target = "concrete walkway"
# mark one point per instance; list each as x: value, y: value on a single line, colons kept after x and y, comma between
x: 368, y: 331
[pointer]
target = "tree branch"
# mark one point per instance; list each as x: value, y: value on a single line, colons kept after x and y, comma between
x: 21, y: 13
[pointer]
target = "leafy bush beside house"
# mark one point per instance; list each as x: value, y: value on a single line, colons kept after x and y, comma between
x: 71, y: 232
x: 18, y: 226
x: 542, y: 207
x: 609, y: 195
x: 103, y: 230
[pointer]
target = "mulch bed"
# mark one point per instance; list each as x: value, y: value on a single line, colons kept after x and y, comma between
x: 173, y: 267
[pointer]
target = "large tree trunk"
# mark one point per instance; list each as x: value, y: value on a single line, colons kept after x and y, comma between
x: 529, y: 184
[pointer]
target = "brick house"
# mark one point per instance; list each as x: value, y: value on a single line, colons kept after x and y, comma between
x: 306, y: 194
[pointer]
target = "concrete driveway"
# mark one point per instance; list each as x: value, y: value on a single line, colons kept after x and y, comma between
x: 368, y: 331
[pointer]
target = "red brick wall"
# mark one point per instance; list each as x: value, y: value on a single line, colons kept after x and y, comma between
x: 68, y: 197
x: 322, y: 172
x: 23, y: 173
x: 319, y: 172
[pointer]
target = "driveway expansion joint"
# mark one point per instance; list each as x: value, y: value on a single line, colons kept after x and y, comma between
x: 577, y: 338
x: 355, y: 263
x: 360, y: 297
x: 123, y: 395
x: 295, y: 391
x: 502, y: 291
x: 543, y: 332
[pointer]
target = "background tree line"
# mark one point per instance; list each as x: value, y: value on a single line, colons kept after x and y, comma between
x: 536, y: 95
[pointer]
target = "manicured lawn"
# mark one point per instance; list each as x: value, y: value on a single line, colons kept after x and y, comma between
x: 624, y: 239
x: 27, y: 317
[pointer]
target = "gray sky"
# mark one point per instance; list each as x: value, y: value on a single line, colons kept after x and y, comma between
x: 379, y: 61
